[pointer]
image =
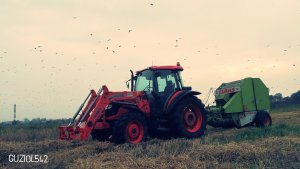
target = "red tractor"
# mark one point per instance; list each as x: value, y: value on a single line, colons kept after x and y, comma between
x: 158, y: 101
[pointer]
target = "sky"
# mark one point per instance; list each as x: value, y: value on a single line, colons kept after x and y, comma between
x: 52, y: 52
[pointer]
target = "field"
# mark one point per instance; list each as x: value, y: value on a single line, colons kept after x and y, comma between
x: 274, y: 147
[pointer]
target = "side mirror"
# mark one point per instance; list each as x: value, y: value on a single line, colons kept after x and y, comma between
x: 127, y: 83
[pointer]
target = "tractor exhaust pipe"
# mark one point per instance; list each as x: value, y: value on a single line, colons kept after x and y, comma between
x: 132, y: 76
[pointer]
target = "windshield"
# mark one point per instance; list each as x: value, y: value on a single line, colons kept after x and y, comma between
x: 180, y: 79
x: 144, y: 81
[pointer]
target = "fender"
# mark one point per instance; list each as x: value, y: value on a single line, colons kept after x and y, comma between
x: 176, y: 97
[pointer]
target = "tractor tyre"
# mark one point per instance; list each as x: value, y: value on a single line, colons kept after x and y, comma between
x: 101, y: 135
x: 263, y: 119
x: 188, y: 118
x: 130, y: 128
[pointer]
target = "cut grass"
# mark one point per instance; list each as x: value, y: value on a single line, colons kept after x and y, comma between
x: 277, y: 130
x: 28, y: 133
x: 275, y: 147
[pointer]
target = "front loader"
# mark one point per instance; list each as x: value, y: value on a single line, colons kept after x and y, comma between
x: 158, y: 102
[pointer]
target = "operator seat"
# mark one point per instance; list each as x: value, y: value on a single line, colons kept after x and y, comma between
x: 170, y: 88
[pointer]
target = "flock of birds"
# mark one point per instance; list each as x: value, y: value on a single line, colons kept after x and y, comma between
x: 51, y: 70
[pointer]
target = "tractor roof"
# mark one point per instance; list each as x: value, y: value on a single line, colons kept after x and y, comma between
x: 179, y: 68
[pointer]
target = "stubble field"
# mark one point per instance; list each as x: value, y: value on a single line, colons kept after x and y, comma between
x: 274, y: 147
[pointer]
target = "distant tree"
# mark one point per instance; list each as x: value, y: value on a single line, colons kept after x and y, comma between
x: 295, y: 97
x: 26, y: 120
x: 277, y: 97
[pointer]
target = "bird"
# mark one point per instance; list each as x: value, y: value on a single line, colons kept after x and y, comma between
x: 74, y: 17
x: 151, y: 4
x: 120, y: 46
x: 129, y: 30
x: 294, y: 65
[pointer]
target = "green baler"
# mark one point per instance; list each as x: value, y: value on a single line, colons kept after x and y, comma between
x: 240, y: 103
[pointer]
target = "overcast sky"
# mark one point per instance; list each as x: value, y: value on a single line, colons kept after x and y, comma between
x: 52, y: 52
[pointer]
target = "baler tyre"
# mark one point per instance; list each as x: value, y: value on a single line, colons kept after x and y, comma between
x: 263, y: 119
x: 189, y: 118
x: 130, y: 128
x: 101, y: 135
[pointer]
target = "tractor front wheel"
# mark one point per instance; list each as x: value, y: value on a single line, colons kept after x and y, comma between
x: 189, y: 118
x: 131, y: 128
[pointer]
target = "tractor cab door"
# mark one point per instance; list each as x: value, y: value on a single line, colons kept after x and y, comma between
x: 165, y: 83
x: 158, y: 85
x: 144, y: 81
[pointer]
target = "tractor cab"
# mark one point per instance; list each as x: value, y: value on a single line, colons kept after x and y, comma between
x: 159, y: 83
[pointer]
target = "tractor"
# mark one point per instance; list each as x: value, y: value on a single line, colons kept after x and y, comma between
x: 158, y: 102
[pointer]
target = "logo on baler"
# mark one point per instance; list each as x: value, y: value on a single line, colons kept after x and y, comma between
x: 227, y: 90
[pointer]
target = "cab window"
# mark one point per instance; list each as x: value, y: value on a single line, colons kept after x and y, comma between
x: 144, y: 81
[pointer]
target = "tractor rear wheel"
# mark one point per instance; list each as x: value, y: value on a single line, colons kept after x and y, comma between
x: 263, y: 119
x: 101, y: 135
x: 131, y: 128
x: 189, y: 118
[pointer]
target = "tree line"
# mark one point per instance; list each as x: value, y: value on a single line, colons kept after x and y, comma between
x: 277, y: 100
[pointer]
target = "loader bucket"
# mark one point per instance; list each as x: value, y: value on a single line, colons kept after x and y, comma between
x: 66, y: 133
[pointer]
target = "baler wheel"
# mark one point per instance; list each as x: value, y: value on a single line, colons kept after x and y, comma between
x: 131, y: 128
x: 263, y: 119
x: 189, y: 118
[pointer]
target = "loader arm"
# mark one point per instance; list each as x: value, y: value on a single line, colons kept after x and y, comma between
x: 84, y: 121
